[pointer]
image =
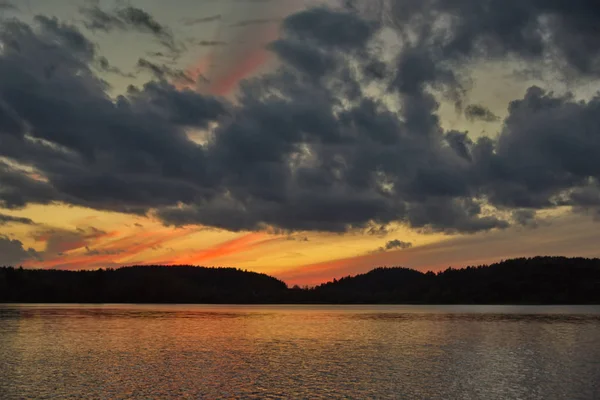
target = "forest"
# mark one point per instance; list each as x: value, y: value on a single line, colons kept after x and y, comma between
x: 539, y: 280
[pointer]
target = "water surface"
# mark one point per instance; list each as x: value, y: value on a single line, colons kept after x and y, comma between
x: 400, y: 352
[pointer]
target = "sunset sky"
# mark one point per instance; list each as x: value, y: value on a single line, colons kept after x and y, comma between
x: 307, y: 140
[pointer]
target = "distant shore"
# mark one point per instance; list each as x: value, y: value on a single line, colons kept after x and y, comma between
x: 523, y: 281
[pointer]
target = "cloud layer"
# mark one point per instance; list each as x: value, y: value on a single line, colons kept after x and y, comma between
x: 341, y: 136
x: 13, y: 252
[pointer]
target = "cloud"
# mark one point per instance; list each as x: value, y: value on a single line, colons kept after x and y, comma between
x: 209, y: 43
x: 201, y: 20
x: 94, y: 252
x: 104, y: 65
x: 9, y: 219
x: 297, y: 238
x: 60, y: 241
x: 98, y: 19
x: 529, y: 29
x: 82, y: 143
x: 476, y: 112
x: 144, y: 22
x: 544, y: 156
x: 7, y: 6
x: 68, y: 36
x: 525, y: 218
x: 20, y: 188
x: 257, y: 21
x: 129, y: 18
x: 224, y: 82
x: 395, y: 244
x: 12, y: 252
x: 94, y: 248
x: 378, y: 230
x: 240, y: 244
x: 331, y: 29
x: 164, y: 72
x: 339, y: 137
x: 571, y: 236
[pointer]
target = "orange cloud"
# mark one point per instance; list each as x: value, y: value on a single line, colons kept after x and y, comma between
x: 142, y: 241
x: 245, y: 52
x: 61, y: 240
x: 125, y: 249
x: 226, y: 84
x: 102, y: 253
x: 230, y: 247
x: 242, y: 58
x: 223, y: 85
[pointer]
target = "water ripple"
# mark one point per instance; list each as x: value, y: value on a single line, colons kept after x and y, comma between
x: 270, y: 352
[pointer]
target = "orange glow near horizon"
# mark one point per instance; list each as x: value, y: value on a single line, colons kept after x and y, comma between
x: 233, y: 246
x: 77, y: 238
x: 106, y: 253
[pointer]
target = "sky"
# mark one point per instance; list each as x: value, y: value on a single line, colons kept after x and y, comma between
x: 308, y: 140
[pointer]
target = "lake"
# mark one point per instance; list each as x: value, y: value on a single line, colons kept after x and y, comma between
x: 396, y: 352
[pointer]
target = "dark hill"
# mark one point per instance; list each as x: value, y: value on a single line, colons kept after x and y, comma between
x: 141, y: 284
x: 540, y: 280
x: 381, y: 285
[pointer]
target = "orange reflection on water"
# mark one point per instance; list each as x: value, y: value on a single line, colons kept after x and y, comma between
x: 150, y: 351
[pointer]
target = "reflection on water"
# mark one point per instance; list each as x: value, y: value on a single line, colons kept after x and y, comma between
x: 412, y: 352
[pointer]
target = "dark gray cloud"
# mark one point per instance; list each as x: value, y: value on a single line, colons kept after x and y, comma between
x: 66, y: 36
x: 201, y: 20
x: 545, y: 154
x: 330, y: 28
x: 378, y: 230
x: 477, y: 112
x: 17, y: 188
x: 129, y: 18
x: 144, y: 22
x: 12, y: 252
x: 98, y: 19
x: 8, y: 219
x: 256, y: 21
x: 208, y: 43
x: 104, y: 65
x: 291, y: 157
x: 306, y: 147
x: 7, y: 6
x: 90, y: 149
x: 525, y: 217
x: 164, y: 72
x: 531, y: 29
x: 395, y: 244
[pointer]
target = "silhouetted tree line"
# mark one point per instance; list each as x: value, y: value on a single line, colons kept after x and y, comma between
x: 139, y: 284
x: 539, y: 280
